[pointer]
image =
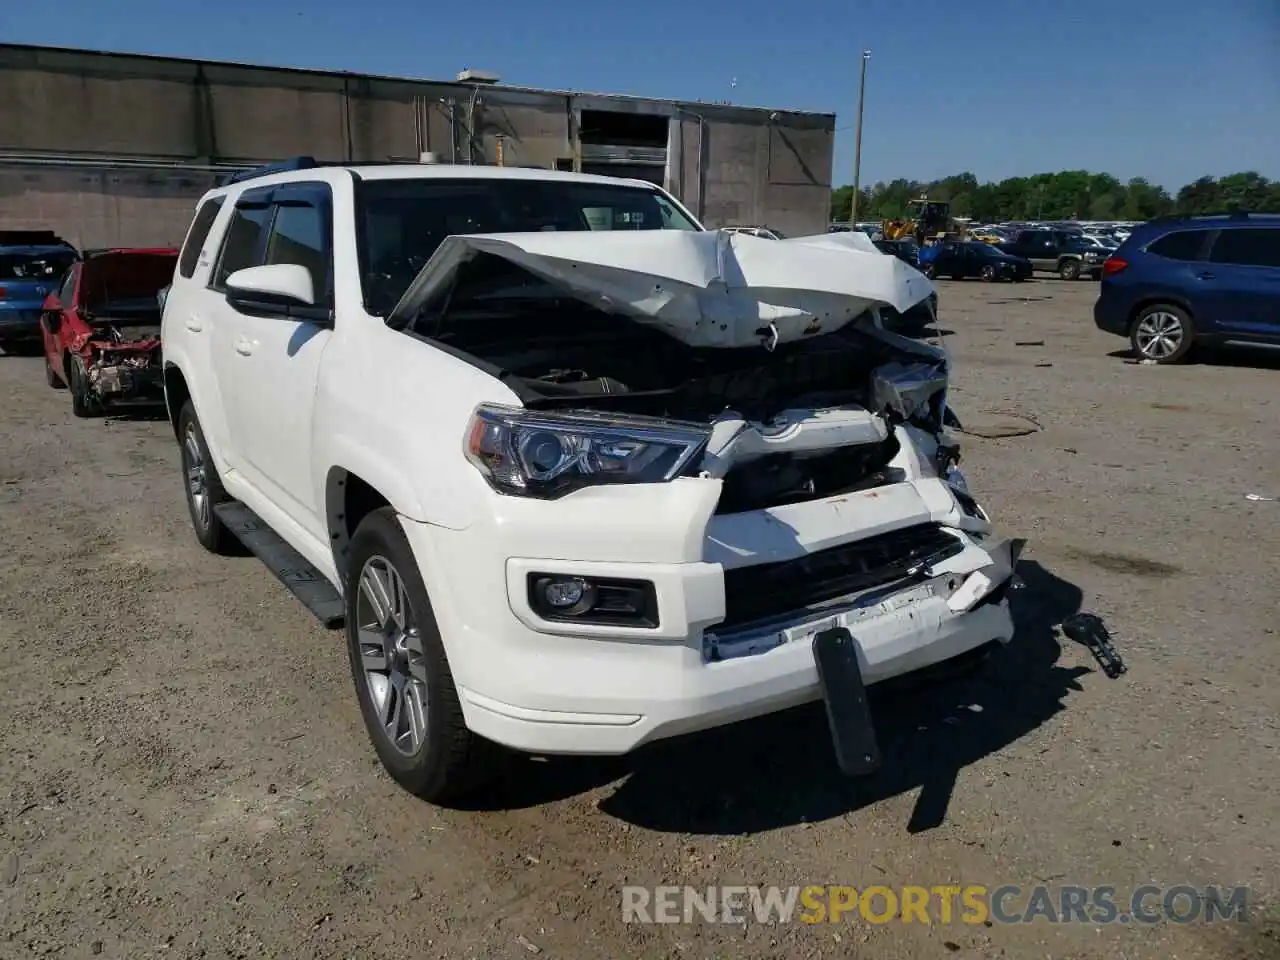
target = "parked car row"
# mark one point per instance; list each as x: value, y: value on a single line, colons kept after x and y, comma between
x: 95, y: 315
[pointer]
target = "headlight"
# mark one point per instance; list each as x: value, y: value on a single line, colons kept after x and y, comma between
x: 534, y: 454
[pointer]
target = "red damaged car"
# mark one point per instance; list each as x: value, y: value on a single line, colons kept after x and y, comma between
x: 101, y: 329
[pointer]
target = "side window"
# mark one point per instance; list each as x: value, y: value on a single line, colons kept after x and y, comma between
x: 68, y: 288
x: 300, y: 235
x: 197, y: 235
x: 1248, y: 246
x: 1182, y: 245
x: 242, y: 246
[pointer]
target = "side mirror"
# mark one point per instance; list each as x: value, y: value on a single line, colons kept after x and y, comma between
x: 284, y: 284
x: 283, y: 290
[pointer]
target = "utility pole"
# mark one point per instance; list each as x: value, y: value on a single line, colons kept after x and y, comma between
x: 857, y: 141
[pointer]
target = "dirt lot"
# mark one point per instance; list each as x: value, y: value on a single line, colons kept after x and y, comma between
x: 184, y: 772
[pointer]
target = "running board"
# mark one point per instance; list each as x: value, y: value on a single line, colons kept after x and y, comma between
x: 289, y: 567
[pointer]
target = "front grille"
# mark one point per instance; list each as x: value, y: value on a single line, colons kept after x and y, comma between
x: 772, y: 589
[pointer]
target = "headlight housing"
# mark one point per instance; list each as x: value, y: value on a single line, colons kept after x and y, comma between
x: 534, y: 454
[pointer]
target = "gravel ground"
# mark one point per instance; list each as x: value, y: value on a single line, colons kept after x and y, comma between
x: 184, y: 772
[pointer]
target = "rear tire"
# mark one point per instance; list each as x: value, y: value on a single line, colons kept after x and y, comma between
x: 1069, y: 269
x: 1162, y: 332
x: 203, y: 486
x: 989, y: 273
x: 401, y: 673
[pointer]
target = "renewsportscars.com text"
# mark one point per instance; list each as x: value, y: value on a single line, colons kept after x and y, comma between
x: 943, y: 904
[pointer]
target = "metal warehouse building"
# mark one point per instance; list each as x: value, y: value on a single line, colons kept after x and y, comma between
x: 113, y: 149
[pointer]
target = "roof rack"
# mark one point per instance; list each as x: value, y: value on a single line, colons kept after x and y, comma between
x: 266, y: 169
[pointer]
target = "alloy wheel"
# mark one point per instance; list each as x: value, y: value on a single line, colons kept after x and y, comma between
x: 1159, y: 335
x: 392, y: 655
x: 193, y: 465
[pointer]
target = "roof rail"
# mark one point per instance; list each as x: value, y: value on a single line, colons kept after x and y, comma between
x: 1221, y: 215
x: 280, y: 166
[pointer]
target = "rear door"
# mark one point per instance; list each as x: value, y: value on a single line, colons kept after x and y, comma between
x: 1243, y: 275
x: 1038, y: 247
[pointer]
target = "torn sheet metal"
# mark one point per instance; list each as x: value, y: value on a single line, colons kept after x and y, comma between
x: 735, y: 440
x: 705, y: 288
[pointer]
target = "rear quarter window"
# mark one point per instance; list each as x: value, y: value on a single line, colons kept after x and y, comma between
x: 1182, y: 245
x: 1248, y: 247
x: 197, y: 235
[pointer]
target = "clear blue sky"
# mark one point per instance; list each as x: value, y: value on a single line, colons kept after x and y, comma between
x: 1168, y: 90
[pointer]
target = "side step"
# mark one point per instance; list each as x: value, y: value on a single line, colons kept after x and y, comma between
x: 303, y: 580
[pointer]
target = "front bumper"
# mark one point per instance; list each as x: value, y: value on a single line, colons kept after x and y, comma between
x: 559, y: 688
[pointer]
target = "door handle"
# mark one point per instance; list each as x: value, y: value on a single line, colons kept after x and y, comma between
x: 194, y: 324
x: 1206, y: 276
x: 244, y: 346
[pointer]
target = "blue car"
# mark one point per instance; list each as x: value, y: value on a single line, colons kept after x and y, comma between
x: 1179, y: 281
x: 32, y: 263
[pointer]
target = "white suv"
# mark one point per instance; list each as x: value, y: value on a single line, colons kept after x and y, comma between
x: 571, y: 484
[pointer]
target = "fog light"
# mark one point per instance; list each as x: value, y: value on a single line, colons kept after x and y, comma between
x: 604, y: 601
x: 563, y: 593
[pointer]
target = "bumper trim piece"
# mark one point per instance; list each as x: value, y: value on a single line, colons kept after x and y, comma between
x: 835, y: 652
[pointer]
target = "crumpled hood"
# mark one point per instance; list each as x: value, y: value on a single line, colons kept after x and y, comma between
x: 707, y: 289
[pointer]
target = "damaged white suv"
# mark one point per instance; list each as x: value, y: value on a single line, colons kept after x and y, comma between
x: 574, y: 473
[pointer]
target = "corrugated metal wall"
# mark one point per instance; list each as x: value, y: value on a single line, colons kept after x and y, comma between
x: 114, y: 149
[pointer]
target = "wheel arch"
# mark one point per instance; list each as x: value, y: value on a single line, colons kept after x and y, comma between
x: 349, y: 496
x: 176, y: 394
x: 1156, y: 300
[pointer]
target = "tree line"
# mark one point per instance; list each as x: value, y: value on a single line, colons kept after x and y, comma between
x: 1070, y: 194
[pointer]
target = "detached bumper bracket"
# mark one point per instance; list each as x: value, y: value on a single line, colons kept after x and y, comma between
x: 835, y: 652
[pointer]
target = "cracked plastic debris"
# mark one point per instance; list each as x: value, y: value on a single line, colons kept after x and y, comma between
x: 1088, y: 630
x: 907, y: 388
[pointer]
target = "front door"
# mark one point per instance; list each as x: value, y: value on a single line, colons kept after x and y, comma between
x: 277, y: 360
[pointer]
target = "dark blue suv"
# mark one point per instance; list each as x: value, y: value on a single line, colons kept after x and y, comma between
x: 1178, y: 281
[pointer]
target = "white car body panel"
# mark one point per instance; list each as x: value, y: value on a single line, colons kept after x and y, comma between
x: 298, y: 408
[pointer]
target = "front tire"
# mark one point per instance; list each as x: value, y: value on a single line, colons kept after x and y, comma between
x: 988, y: 273
x: 1069, y: 270
x: 1163, y: 333
x: 402, y: 677
x: 203, y: 485
x: 51, y: 376
x: 83, y: 403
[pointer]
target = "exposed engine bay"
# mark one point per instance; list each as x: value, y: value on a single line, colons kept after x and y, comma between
x: 117, y: 341
x: 790, y: 421
x: 123, y: 360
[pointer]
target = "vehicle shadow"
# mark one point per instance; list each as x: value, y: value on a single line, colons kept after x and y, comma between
x: 1262, y: 359
x: 138, y: 414
x: 780, y: 770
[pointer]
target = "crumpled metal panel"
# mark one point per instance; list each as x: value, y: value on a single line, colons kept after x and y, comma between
x: 705, y: 288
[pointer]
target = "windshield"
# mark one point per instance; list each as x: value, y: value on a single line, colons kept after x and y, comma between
x: 402, y: 221
x: 47, y: 264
